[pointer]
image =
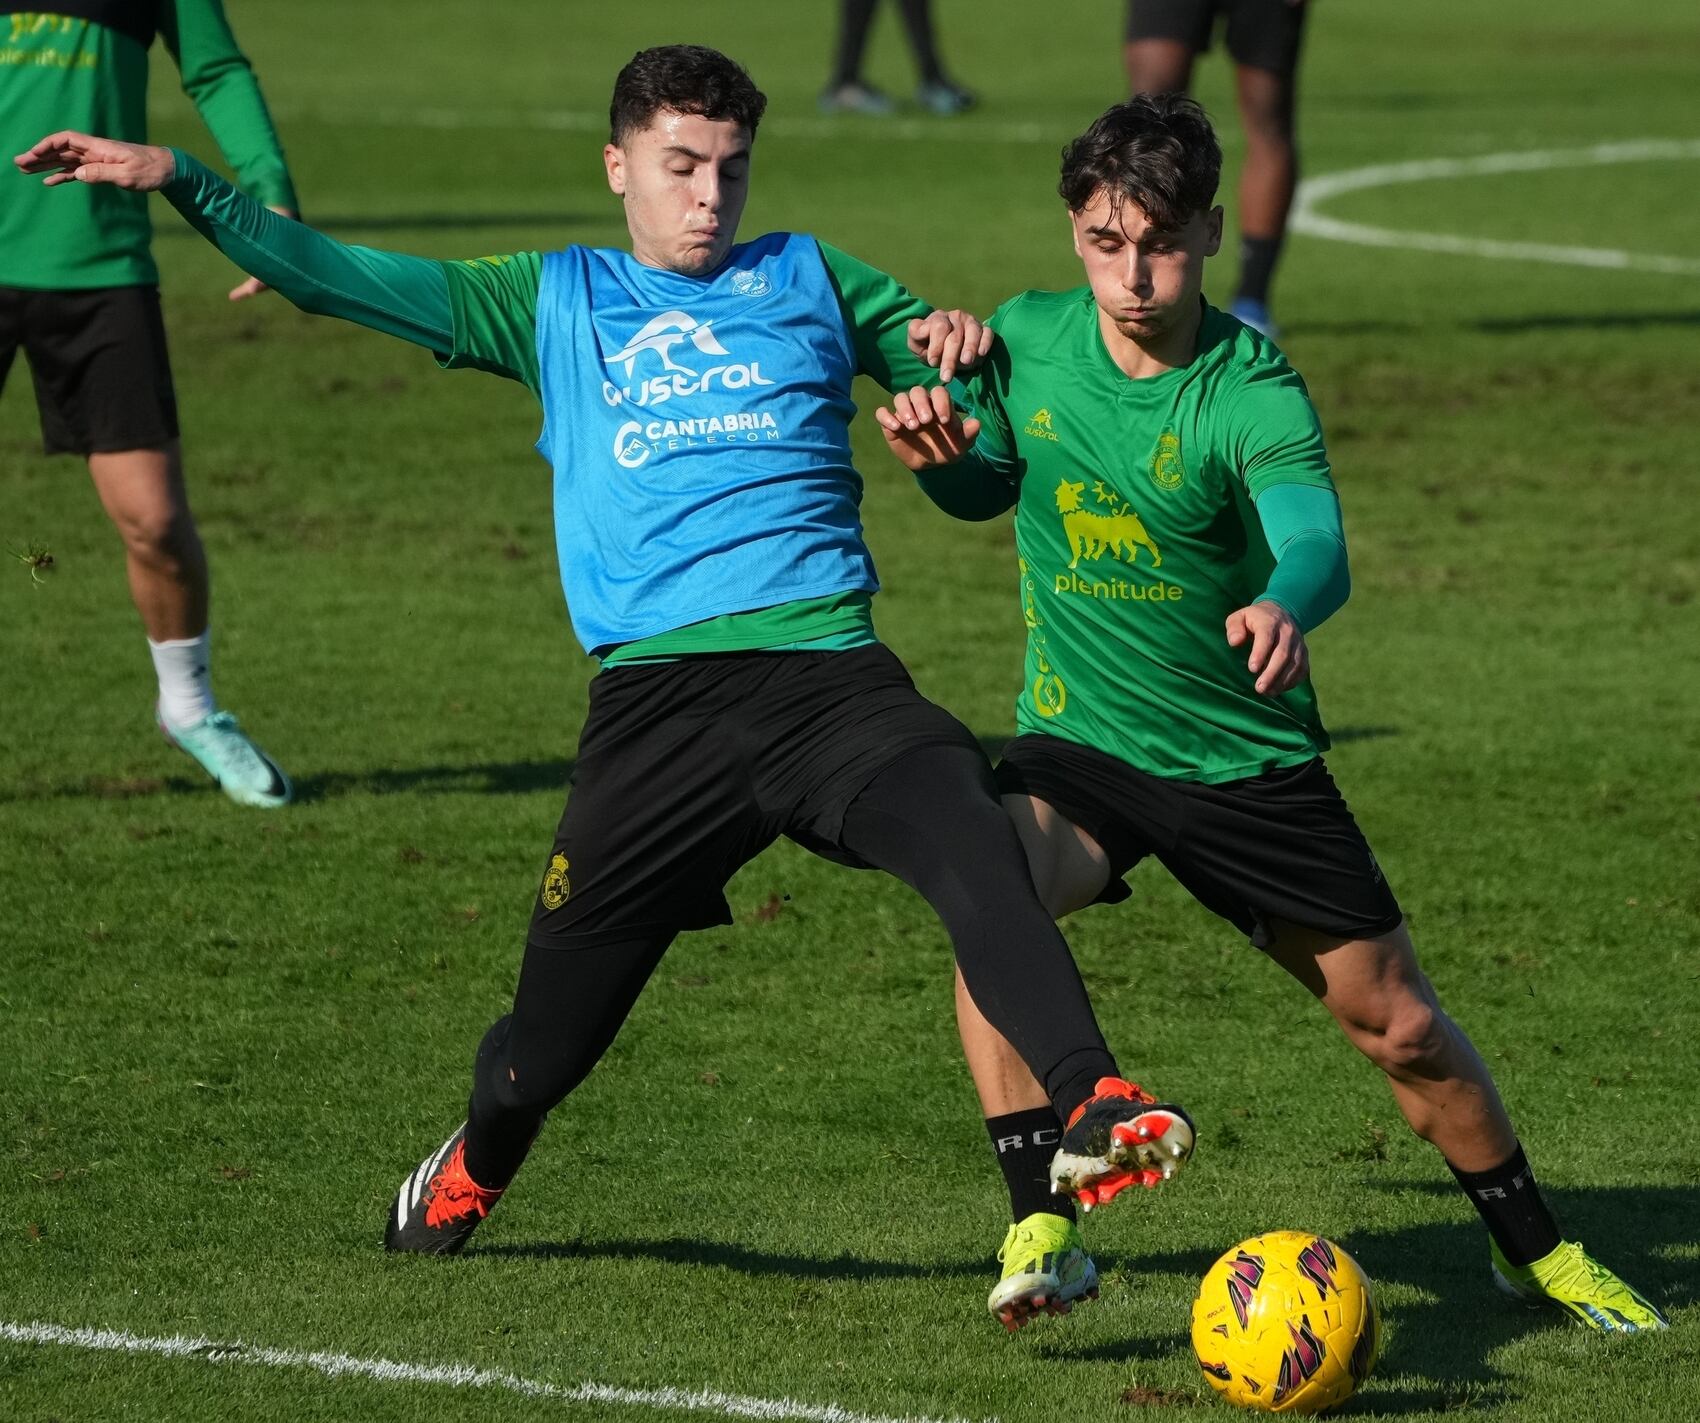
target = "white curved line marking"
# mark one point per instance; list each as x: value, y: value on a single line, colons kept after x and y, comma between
x: 707, y: 1400
x: 1314, y: 191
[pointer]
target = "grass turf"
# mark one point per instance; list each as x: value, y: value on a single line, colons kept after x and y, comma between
x: 228, y: 1034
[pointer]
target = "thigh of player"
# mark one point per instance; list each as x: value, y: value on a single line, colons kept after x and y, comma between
x: 660, y: 814
x: 101, y: 369
x: 1085, y: 819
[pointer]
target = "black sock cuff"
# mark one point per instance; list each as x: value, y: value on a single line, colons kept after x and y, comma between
x: 1495, y: 1178
x: 1024, y: 1143
x: 1018, y: 1131
x: 1511, y: 1206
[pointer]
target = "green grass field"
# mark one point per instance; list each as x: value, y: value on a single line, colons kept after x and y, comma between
x: 226, y: 1035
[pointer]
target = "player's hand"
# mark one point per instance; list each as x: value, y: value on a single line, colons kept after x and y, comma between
x: 1279, y: 658
x: 950, y: 341
x: 254, y: 286
x: 71, y: 157
x: 924, y: 430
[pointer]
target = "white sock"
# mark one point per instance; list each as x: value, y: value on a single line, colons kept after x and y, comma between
x: 185, y: 690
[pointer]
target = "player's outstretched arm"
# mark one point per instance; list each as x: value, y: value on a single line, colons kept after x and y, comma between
x: 402, y: 296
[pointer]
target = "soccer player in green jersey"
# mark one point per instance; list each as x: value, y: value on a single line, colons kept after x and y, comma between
x: 1179, y: 534
x: 79, y: 294
x: 696, y: 400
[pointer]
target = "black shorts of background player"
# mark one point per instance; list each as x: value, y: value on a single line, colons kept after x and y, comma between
x: 1263, y: 39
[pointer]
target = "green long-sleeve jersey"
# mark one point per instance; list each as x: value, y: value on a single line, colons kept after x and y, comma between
x: 1137, y: 535
x: 482, y: 314
x: 88, y: 70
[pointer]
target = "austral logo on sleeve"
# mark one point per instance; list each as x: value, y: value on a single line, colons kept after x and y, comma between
x: 660, y: 342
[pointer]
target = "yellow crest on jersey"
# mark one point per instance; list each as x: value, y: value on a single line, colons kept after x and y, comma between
x: 1167, y: 471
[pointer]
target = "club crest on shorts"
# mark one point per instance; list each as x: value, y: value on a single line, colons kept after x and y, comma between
x: 556, y: 885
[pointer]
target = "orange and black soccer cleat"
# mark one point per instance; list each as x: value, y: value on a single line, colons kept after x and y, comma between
x: 1120, y: 1136
x: 439, y: 1205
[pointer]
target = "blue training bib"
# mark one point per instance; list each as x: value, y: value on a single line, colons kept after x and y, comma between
x: 699, y: 431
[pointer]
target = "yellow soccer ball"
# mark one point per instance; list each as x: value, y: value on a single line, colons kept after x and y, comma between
x: 1286, y: 1323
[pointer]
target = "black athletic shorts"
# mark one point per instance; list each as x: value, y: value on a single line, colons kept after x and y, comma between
x: 102, y: 376
x: 1277, y: 846
x: 688, y: 769
x: 1263, y: 34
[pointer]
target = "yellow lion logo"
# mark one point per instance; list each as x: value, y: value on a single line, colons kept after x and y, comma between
x: 1089, y: 533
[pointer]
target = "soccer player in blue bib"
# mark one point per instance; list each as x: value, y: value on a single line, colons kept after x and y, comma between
x: 696, y: 400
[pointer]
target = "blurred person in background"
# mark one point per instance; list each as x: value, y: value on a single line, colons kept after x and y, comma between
x: 1263, y: 39
x: 847, y: 93
x: 79, y: 293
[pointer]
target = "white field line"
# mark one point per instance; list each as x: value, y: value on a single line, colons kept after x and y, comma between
x: 332, y: 1365
x: 1314, y: 191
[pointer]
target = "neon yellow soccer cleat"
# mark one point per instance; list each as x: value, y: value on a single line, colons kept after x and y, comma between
x: 1045, y: 1270
x: 1575, y: 1282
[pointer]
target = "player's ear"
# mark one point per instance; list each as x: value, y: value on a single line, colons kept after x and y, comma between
x: 614, y: 161
x: 1074, y: 234
x: 1213, y: 231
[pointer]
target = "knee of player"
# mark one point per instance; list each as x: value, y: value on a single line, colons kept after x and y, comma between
x: 1414, y: 1038
x: 159, y: 535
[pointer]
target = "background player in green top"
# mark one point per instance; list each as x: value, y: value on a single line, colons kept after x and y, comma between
x: 1178, y: 535
x: 79, y: 294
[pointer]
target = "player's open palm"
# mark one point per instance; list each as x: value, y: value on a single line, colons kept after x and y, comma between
x: 71, y: 157
x: 924, y: 429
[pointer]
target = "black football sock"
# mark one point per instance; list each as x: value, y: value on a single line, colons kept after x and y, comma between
x: 1257, y: 268
x: 1025, y: 1143
x: 1511, y: 1206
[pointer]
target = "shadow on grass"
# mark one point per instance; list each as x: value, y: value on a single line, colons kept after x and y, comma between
x: 502, y: 778
x: 1441, y: 1345
x: 505, y: 778
x: 746, y: 1260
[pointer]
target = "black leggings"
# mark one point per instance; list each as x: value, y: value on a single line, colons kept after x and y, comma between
x: 934, y: 821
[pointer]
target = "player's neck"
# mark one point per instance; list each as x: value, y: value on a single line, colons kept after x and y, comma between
x: 1163, y: 351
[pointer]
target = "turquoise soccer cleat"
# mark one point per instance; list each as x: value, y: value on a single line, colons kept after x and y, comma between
x: 244, y: 772
x: 1572, y: 1280
x: 1045, y: 1270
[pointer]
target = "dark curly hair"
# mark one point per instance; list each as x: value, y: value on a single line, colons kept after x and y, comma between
x: 1156, y: 150
x: 686, y: 79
